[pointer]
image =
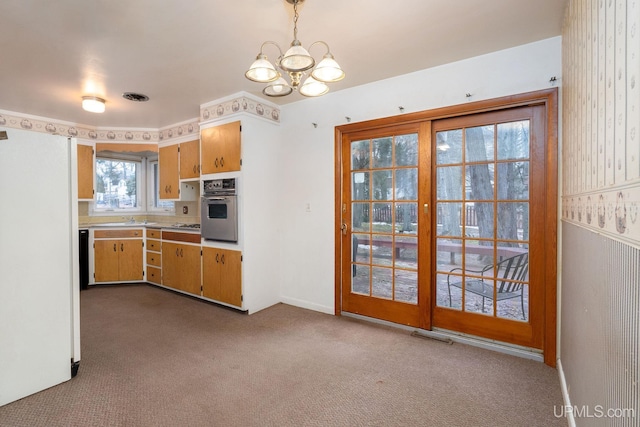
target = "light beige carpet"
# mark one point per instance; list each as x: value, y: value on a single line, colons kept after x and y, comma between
x: 151, y: 357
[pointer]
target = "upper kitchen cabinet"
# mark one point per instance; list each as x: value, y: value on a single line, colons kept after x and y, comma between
x: 190, y: 160
x: 169, y: 187
x: 221, y: 148
x: 85, y: 172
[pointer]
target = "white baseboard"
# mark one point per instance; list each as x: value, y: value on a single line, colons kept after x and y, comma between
x: 308, y: 305
x: 565, y: 395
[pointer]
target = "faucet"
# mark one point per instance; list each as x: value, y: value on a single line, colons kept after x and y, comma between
x: 132, y: 220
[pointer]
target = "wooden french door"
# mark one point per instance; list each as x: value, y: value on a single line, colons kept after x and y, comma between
x: 384, y: 195
x: 449, y: 223
x: 488, y: 183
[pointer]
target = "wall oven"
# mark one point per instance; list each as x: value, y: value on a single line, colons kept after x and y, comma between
x: 219, y: 210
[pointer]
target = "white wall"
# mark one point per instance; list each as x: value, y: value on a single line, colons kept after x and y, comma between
x: 307, y: 158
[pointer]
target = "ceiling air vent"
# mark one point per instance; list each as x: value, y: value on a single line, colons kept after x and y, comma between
x: 136, y: 97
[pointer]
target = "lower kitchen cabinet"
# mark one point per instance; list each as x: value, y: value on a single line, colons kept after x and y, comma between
x: 154, y: 258
x: 118, y: 260
x: 181, y: 267
x: 222, y: 275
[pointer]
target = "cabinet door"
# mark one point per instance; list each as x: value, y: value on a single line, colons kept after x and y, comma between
x: 85, y: 172
x: 231, y: 277
x: 221, y: 275
x: 211, y: 273
x: 221, y: 149
x: 130, y: 260
x: 190, y: 159
x: 170, y: 264
x: 190, y: 269
x: 181, y: 267
x: 106, y: 261
x: 169, y: 178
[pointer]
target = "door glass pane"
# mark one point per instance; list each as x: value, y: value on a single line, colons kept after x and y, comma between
x: 382, y: 282
x: 406, y: 286
x: 360, y: 186
x: 360, y: 155
x: 382, y: 185
x: 449, y: 183
x: 406, y: 218
x: 449, y: 219
x: 361, y: 252
x: 361, y: 280
x: 382, y: 150
x: 513, y: 221
x: 512, y: 283
x: 479, y: 143
x: 382, y: 218
x: 479, y: 220
x: 448, y: 254
x: 448, y: 293
x: 449, y: 147
x: 406, y: 184
x: 513, y: 181
x: 360, y: 214
x: 406, y: 150
x: 513, y: 140
x: 381, y: 249
x: 479, y: 181
x: 406, y: 255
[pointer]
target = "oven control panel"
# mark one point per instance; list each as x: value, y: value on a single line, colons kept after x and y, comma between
x: 219, y: 186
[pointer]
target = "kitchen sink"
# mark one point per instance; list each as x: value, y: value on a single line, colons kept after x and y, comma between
x: 123, y: 224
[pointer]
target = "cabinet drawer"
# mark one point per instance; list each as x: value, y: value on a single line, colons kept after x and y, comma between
x: 153, y: 259
x: 153, y: 233
x: 153, y: 275
x: 101, y: 234
x: 153, y: 245
x: 181, y: 237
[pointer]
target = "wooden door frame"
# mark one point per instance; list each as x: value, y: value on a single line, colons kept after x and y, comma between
x: 546, y: 97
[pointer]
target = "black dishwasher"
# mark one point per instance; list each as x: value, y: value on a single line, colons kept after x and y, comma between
x: 84, y: 258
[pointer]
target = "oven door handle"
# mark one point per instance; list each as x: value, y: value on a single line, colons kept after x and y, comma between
x: 216, y: 199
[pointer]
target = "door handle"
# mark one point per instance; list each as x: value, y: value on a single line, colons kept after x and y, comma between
x: 344, y: 228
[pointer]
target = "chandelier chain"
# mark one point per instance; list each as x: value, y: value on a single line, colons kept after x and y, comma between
x: 295, y: 19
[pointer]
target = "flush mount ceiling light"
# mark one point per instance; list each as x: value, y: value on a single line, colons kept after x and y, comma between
x: 93, y: 104
x: 295, y: 62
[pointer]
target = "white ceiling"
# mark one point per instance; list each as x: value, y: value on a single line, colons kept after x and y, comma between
x: 183, y: 53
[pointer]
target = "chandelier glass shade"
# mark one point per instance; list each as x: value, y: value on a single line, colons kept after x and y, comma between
x: 295, y: 63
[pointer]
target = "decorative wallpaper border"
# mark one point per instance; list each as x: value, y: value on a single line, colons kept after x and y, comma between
x: 242, y: 104
x: 614, y: 212
x: 180, y: 130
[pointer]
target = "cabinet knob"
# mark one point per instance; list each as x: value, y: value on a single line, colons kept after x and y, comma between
x: 221, y: 161
x: 194, y: 168
x: 216, y: 163
x: 121, y: 247
x: 114, y: 248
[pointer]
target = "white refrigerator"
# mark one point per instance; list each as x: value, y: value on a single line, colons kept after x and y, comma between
x: 39, y: 282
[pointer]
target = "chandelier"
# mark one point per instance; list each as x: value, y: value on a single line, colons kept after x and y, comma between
x: 295, y: 62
